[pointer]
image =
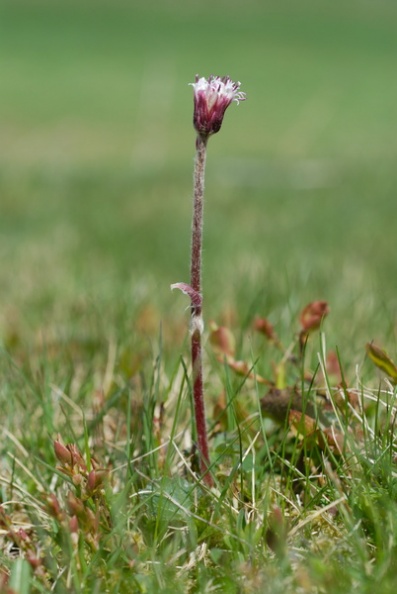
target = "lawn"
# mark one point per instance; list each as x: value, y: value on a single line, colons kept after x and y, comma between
x: 96, y: 159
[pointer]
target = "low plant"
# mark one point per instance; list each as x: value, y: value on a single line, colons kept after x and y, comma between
x: 212, y: 97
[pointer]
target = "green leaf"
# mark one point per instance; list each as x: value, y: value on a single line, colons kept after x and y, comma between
x: 171, y: 500
x: 281, y: 381
x: 20, y: 577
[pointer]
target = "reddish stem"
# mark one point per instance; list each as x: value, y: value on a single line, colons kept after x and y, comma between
x: 196, y: 309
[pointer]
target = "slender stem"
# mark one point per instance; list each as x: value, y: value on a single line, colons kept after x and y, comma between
x: 196, y: 310
x: 197, y: 224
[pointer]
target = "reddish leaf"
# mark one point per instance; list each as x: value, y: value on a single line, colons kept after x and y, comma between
x: 302, y: 424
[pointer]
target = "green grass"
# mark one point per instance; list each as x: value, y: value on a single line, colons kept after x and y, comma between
x: 95, y: 183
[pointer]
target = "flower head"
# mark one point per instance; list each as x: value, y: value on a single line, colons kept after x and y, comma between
x: 212, y: 96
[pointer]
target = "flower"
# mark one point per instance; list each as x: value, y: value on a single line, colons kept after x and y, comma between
x: 212, y: 97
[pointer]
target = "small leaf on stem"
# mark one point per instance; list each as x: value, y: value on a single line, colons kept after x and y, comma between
x: 195, y: 297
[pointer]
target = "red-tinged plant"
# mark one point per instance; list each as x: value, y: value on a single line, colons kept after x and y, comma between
x: 26, y: 545
x: 277, y: 529
x: 313, y: 314
x: 72, y: 463
x: 263, y: 326
x: 222, y: 340
x: 212, y: 96
x: 311, y: 318
x: 76, y: 516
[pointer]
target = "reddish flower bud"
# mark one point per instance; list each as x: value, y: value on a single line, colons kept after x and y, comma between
x: 53, y: 507
x: 222, y: 340
x: 95, y: 480
x: 90, y: 520
x: 33, y: 561
x: 74, y: 525
x: 23, y: 535
x: 76, y: 457
x: 332, y: 365
x: 62, y: 453
x: 277, y: 531
x: 212, y: 97
x: 263, y: 326
x: 75, y: 505
x: 312, y: 315
x: 77, y: 479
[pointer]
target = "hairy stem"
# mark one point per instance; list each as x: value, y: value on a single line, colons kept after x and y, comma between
x: 196, y: 309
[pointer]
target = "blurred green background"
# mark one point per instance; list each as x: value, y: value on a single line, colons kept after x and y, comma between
x: 96, y: 158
